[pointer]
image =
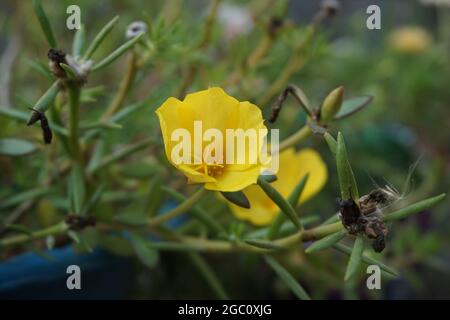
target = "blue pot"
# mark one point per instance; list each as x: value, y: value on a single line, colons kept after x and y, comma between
x: 30, y: 276
x: 103, y: 275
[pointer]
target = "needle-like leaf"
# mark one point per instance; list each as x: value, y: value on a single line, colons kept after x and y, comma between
x: 282, y: 203
x: 326, y: 242
x: 347, y: 181
x: 45, y: 24
x: 355, y: 258
x: 116, y: 53
x: 100, y: 37
x: 287, y: 278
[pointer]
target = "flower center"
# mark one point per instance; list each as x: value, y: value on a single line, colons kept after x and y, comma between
x: 211, y: 169
x: 214, y: 170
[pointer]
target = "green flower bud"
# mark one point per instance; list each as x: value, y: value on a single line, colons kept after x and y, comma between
x: 331, y: 105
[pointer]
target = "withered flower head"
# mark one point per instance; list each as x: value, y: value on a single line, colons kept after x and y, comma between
x: 56, y: 57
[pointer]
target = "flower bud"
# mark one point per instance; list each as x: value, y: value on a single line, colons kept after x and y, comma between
x: 410, y: 40
x: 135, y: 28
x: 331, y: 105
x: 331, y: 7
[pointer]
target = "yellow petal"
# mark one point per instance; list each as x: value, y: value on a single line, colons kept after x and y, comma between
x: 257, y: 215
x: 231, y: 181
x: 216, y: 110
x: 293, y: 167
x: 172, y: 116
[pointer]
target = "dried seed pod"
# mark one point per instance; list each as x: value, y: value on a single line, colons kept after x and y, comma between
x: 46, y: 131
x: 350, y: 214
x: 77, y: 222
x: 35, y: 116
x: 56, y: 57
x: 298, y: 94
x: 379, y: 244
x: 274, y: 25
x: 331, y: 7
x: 135, y: 28
x: 366, y: 219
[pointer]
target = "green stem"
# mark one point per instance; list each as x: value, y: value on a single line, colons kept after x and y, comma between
x: 183, y: 208
x: 209, y: 25
x: 22, y: 238
x: 202, y: 45
x: 198, y: 213
x: 296, y: 138
x: 124, y: 87
x: 74, y: 130
x: 295, y: 62
x: 199, y: 244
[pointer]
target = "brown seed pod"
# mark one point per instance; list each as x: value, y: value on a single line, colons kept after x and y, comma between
x: 77, y: 222
x: 46, y: 131
x: 56, y: 57
x: 379, y: 244
x: 274, y: 25
x: 350, y: 215
x: 366, y: 216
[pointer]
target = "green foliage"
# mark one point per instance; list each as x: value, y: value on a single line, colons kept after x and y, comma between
x: 108, y: 162
x: 16, y: 147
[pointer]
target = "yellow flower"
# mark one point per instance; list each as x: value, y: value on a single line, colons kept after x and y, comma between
x: 212, y: 109
x: 410, y: 39
x: 293, y: 166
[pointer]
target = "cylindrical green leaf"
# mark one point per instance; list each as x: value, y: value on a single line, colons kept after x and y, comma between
x: 287, y: 278
x: 116, y: 53
x: 347, y: 181
x: 100, y: 37
x: 208, y: 273
x: 79, y: 41
x: 282, y: 203
x: 93, y: 200
x: 293, y: 199
x: 348, y: 251
x: 332, y: 144
x: 23, y: 116
x: 269, y: 177
x: 71, y: 74
x: 15, y: 147
x: 44, y: 102
x: 326, y: 242
x: 20, y: 197
x: 414, y: 208
x: 45, y: 24
x: 353, y: 105
x: 355, y: 258
x: 238, y: 198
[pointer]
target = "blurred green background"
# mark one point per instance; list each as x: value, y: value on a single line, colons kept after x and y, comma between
x: 405, y: 66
